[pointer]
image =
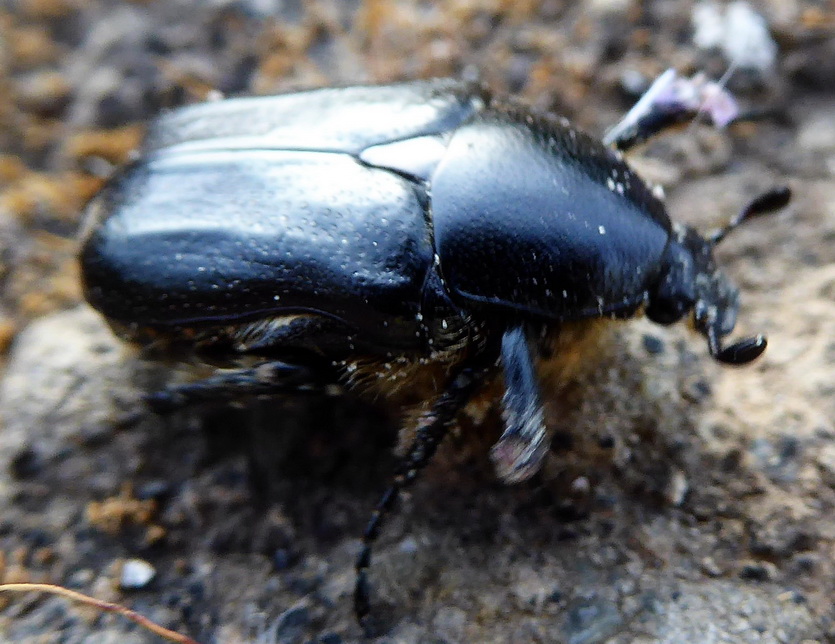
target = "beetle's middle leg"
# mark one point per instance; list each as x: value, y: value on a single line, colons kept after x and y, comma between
x: 289, y: 350
x: 267, y: 378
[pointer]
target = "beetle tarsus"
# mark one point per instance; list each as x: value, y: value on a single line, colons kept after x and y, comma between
x: 519, y: 452
x: 431, y: 430
x: 264, y: 379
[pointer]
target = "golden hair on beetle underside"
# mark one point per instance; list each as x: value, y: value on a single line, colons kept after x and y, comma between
x: 565, y: 352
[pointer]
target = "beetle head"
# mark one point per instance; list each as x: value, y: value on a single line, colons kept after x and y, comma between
x: 690, y: 280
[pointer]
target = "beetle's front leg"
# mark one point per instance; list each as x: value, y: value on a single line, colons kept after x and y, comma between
x: 267, y: 378
x: 519, y: 452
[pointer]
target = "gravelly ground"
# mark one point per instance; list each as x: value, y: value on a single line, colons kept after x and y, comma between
x: 684, y: 502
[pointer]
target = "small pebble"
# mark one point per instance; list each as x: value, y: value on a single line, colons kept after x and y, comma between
x: 409, y: 545
x: 677, y: 488
x: 26, y: 464
x: 136, y: 573
x: 758, y: 571
x: 653, y: 344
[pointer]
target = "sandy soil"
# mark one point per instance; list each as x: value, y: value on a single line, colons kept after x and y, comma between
x: 683, y: 502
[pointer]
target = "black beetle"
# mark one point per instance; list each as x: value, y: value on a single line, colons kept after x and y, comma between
x: 369, y: 236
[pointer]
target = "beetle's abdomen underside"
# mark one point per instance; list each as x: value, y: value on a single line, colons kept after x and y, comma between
x: 216, y: 237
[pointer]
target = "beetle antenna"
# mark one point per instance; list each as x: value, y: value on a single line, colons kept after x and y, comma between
x: 767, y: 202
x: 739, y: 353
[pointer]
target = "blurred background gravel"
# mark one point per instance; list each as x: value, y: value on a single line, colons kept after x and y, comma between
x: 684, y: 502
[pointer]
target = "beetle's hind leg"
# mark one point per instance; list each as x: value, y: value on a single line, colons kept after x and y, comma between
x: 431, y: 430
x: 267, y: 378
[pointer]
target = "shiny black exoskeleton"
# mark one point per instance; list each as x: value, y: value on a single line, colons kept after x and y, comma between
x: 420, y: 225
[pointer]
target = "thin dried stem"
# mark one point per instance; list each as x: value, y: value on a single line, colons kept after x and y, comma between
x: 108, y: 607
